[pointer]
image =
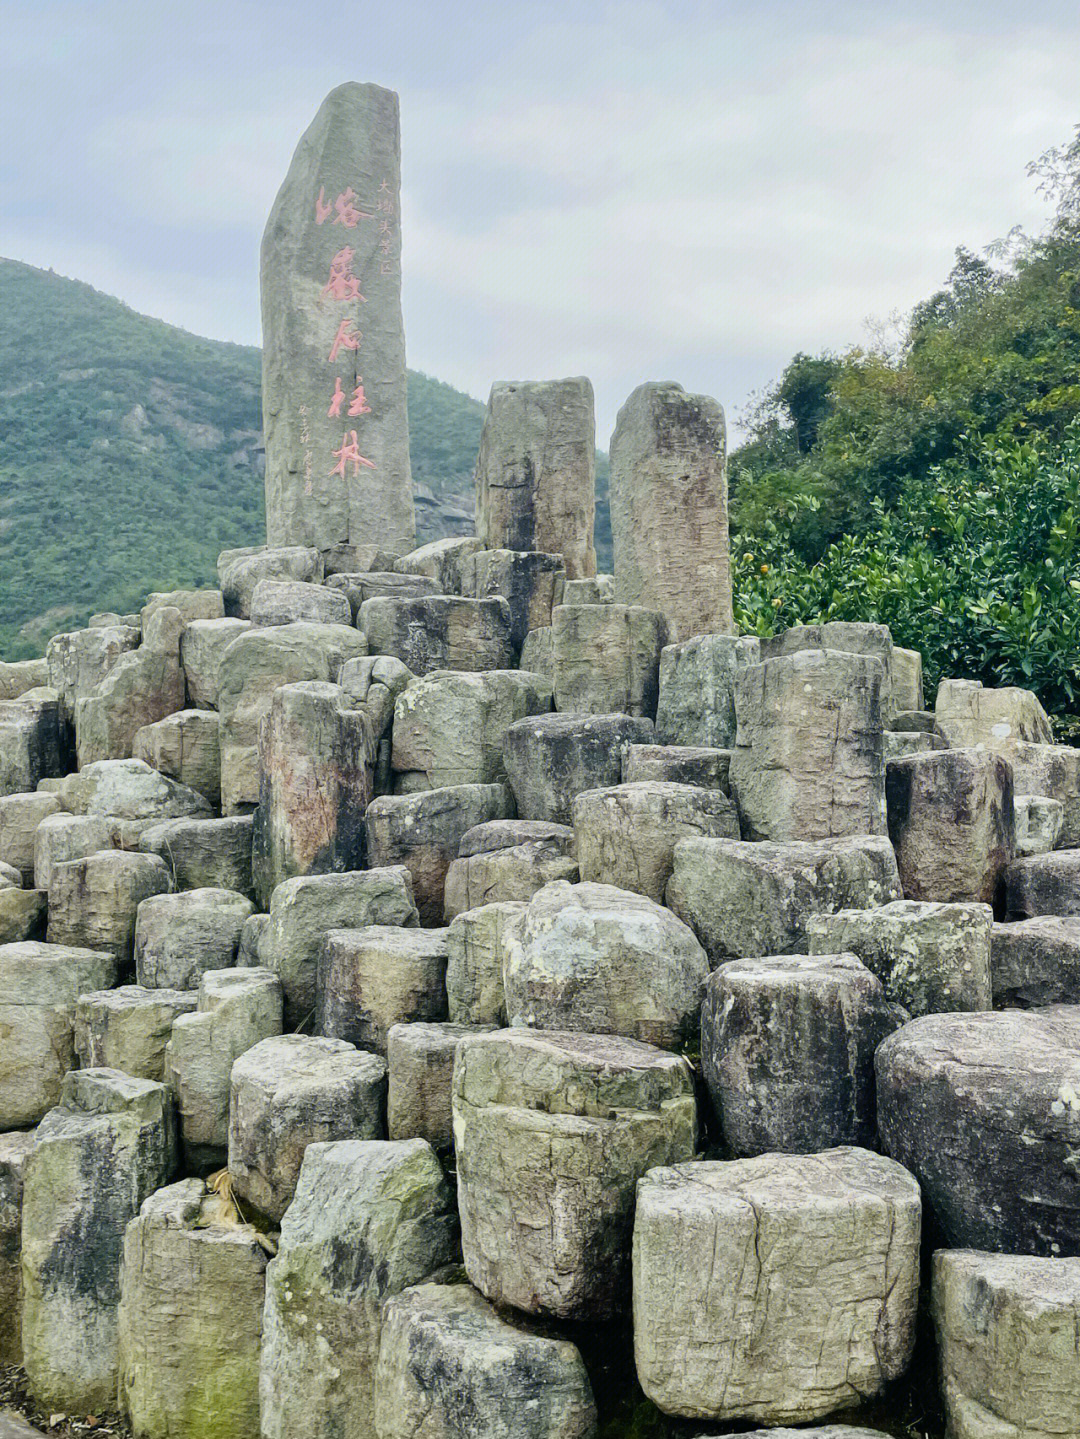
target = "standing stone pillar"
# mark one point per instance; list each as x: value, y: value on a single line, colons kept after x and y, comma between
x: 669, y: 511
x: 334, y: 402
x: 536, y: 472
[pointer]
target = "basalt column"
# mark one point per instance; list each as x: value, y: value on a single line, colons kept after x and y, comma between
x: 669, y: 512
x: 334, y: 390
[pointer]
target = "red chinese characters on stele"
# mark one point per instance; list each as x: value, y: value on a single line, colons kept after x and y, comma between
x: 344, y: 211
x: 343, y: 284
x: 357, y: 406
x: 349, y: 453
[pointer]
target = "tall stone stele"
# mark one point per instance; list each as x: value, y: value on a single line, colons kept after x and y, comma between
x: 669, y: 509
x: 536, y: 471
x: 334, y: 388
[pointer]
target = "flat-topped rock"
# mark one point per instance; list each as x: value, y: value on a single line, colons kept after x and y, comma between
x: 20, y: 816
x: 178, y: 937
x: 370, y: 979
x: 477, y: 942
x: 743, y: 899
x: 281, y: 602
x: 696, y: 704
x: 702, y: 765
x: 556, y: 1241
x: 94, y: 902
x: 1043, y: 884
x: 606, y: 658
x: 1035, y: 962
x: 531, y: 582
x: 204, y: 853
x: 420, y: 1063
x: 128, y: 1028
x: 201, y: 646
x: 552, y: 758
x: 764, y: 1256
x: 970, y: 716
x: 184, y: 747
x: 239, y: 571
x: 440, y: 632
x: 983, y: 1109
x: 130, y: 789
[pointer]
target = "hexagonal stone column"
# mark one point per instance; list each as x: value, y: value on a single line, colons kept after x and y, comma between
x: 747, y: 899
x: 477, y: 943
x: 107, y: 1146
x: 205, y: 853
x: 128, y: 1028
x: 179, y: 937
x: 552, y: 758
x: 39, y: 987
x: 606, y: 658
x: 14, y: 1149
x: 192, y: 1286
x: 506, y: 860
x: 787, y: 1048
x: 626, y: 835
x: 93, y: 902
x: 778, y: 1289
x: 420, y: 1061
x: 369, y: 1220
x: 984, y: 1109
x: 553, y: 1131
x: 1006, y: 1328
x: 440, y: 632
x: 450, y: 1366
x: 585, y: 958
x: 372, y: 978
x: 291, y: 1091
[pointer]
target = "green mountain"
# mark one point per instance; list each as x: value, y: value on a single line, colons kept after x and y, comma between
x: 130, y: 455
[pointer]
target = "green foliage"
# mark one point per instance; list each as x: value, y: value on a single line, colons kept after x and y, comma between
x: 978, y: 567
x: 130, y: 454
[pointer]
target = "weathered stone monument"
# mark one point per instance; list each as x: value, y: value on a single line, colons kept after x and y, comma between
x: 334, y: 390
x: 669, y: 514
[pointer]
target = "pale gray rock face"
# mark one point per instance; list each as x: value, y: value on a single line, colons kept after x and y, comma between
x: 372, y: 978
x: 252, y: 668
x: 420, y: 1061
x: 1046, y: 884
x: 743, y: 899
x: 807, y: 1304
x: 304, y: 910
x: 898, y: 744
x: 236, y: 1009
x: 423, y: 831
x: 930, y: 957
x: 128, y: 1028
x: 440, y: 632
x: 374, y: 683
x: 360, y: 587
x: 606, y: 658
x: 106, y: 1147
x: 585, y: 958
x: 316, y: 766
x: 93, y: 902
x: 447, y: 562
x: 1035, y: 962
x: 281, y: 602
x: 808, y: 761
x: 129, y: 789
x: 983, y: 1109
x: 18, y: 676
x: 530, y: 581
x: 907, y: 679
x: 291, y: 1091
x: 1053, y: 771
x: 201, y: 646
x: 204, y: 853
x: 23, y: 914
x: 20, y: 815
x: 334, y: 397
x: 590, y: 590
x: 626, y: 835
x: 451, y: 1367
x: 192, y: 604
x: 554, y: 1239
x: 1006, y: 1329
x: 477, y: 943
x: 14, y: 1149
x: 696, y: 704
x: 536, y: 472
x: 239, y: 571
x: 39, y: 987
x: 701, y: 765
x: 178, y: 937
x: 1038, y: 824
x: 551, y: 758
x: 368, y: 1220
x: 144, y: 685
x: 192, y: 1286
x: 669, y: 510
x: 512, y: 872
x: 951, y: 823
x: 846, y: 636
x: 536, y: 654
x: 358, y: 559
x: 184, y: 747
x: 77, y: 662
x: 64, y: 836
x: 450, y: 726
x: 32, y: 746
x: 787, y: 1049
x: 971, y: 717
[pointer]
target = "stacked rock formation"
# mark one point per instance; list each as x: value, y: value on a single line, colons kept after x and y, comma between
x: 425, y: 971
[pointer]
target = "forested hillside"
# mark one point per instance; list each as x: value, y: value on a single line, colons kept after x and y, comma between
x: 935, y: 485
x: 130, y: 455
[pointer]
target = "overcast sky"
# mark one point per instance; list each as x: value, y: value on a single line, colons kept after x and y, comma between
x: 666, y: 190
